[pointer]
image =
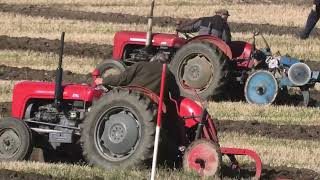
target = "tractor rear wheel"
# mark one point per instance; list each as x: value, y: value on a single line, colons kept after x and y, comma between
x: 15, y: 140
x: 204, y: 157
x: 110, y: 67
x: 119, y: 131
x: 201, y: 65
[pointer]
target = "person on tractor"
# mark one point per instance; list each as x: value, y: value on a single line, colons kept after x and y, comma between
x: 216, y: 25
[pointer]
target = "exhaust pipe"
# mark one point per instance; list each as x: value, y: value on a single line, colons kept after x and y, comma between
x: 58, y: 82
x: 149, y: 32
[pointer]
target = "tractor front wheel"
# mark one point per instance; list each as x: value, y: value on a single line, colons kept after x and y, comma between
x: 15, y: 140
x: 201, y: 66
x: 119, y: 131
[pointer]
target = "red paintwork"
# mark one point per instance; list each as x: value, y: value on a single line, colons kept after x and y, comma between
x: 252, y: 154
x: 204, y: 152
x: 123, y: 38
x: 95, y: 74
x: 153, y: 96
x: 188, y: 107
x: 241, y: 52
x: 26, y: 90
x: 163, y: 80
x: 216, y: 41
x: 235, y: 50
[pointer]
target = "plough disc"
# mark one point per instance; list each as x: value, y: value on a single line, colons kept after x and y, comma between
x: 204, y: 157
x: 261, y: 88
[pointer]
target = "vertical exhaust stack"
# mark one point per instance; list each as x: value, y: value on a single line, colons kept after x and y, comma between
x: 58, y: 82
x: 149, y: 32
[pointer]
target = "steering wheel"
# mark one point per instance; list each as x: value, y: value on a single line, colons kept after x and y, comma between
x: 186, y: 35
x: 104, y: 88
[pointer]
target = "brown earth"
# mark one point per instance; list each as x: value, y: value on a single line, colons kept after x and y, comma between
x: 25, y: 73
x: 273, y: 173
x: 58, y: 12
x: 52, y: 46
x: 255, y: 128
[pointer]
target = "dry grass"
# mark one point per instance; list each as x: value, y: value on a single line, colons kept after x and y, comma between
x: 102, y: 33
x: 6, y: 90
x: 277, y: 152
x: 246, y: 13
x: 47, y: 61
x: 286, y: 44
x: 118, y: 2
x: 241, y: 111
x: 85, y: 172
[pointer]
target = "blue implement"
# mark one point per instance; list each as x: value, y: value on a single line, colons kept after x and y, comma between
x: 261, y: 88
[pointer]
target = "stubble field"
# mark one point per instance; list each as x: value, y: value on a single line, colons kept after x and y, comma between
x: 286, y: 137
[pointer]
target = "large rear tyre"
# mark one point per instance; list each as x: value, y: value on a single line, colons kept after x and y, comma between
x: 203, y: 157
x: 202, y: 66
x: 110, y: 67
x: 119, y: 131
x: 15, y: 140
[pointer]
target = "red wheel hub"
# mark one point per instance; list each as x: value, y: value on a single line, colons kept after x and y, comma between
x: 203, y: 157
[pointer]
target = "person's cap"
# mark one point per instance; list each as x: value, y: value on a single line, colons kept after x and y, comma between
x: 223, y: 12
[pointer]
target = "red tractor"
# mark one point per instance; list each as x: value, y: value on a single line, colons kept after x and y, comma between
x: 204, y: 63
x: 115, y: 128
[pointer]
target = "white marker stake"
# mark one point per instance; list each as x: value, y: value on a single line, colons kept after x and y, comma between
x: 156, y: 140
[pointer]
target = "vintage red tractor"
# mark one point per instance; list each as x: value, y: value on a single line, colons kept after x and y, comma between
x: 204, y: 62
x: 116, y: 127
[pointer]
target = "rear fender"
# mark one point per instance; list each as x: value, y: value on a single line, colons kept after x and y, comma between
x: 216, y: 41
x: 153, y: 96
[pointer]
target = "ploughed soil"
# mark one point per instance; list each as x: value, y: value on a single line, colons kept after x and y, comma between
x: 25, y: 73
x: 55, y: 11
x: 294, y: 132
x: 52, y: 46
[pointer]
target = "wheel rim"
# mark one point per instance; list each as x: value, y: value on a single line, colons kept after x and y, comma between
x: 196, y: 71
x: 9, y: 143
x: 202, y: 158
x: 117, y: 134
x: 261, y: 88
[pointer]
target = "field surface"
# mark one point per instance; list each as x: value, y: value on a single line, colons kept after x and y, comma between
x: 286, y: 137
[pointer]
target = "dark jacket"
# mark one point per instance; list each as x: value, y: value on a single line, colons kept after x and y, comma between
x: 316, y: 2
x: 213, y: 25
x: 145, y: 74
